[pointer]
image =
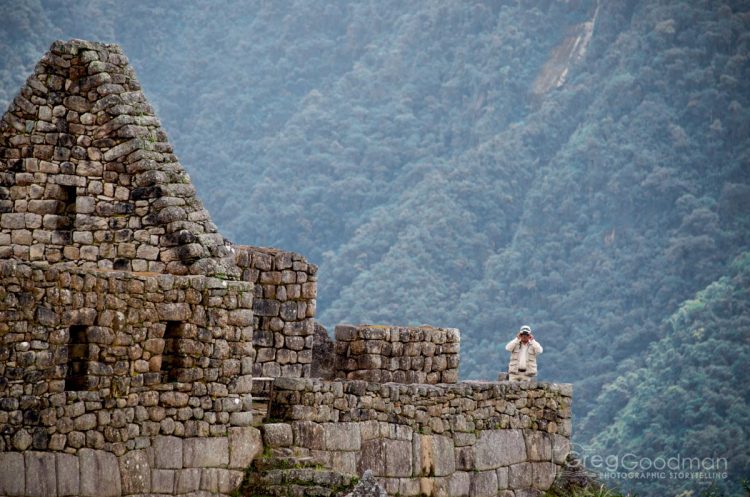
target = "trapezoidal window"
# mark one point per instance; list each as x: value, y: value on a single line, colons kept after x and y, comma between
x: 80, y: 352
x: 174, y: 361
x: 66, y: 211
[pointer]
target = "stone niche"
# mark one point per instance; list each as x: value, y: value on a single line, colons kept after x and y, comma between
x: 397, y: 354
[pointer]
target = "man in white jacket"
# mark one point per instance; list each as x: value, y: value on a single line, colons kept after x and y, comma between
x: 523, y: 351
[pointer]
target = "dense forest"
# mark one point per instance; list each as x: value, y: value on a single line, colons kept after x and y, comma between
x: 580, y: 166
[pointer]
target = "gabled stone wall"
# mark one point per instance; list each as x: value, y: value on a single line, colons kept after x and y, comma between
x: 88, y: 176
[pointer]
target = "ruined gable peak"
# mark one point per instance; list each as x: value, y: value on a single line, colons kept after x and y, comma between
x: 88, y: 176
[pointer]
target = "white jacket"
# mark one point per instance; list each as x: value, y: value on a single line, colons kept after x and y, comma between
x: 520, y: 353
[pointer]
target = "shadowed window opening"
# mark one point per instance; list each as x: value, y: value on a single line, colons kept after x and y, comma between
x: 174, y: 360
x: 66, y: 211
x: 79, y: 358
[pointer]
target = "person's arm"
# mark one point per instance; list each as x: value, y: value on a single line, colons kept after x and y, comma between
x: 537, y: 347
x: 511, y: 345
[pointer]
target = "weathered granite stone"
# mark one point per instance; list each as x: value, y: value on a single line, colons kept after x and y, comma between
x: 560, y: 448
x: 483, y: 484
x: 41, y: 474
x: 459, y: 484
x: 341, y: 436
x: 538, y: 445
x: 309, y: 434
x: 398, y: 458
x: 68, y: 475
x: 277, y: 434
x: 135, y: 472
x: 502, y: 478
x: 100, y: 474
x: 162, y: 481
x: 496, y: 448
x: 205, y: 452
x: 220, y: 480
x: 245, y: 444
x: 520, y: 475
x: 168, y: 452
x: 12, y: 469
x: 543, y: 474
x: 187, y: 480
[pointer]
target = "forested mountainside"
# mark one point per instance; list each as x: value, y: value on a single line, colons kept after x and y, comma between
x: 579, y: 166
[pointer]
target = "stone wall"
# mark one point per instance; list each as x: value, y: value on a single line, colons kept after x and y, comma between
x: 191, y: 466
x: 97, y: 365
x: 471, y: 438
x: 285, y: 293
x: 397, y: 354
x: 87, y: 174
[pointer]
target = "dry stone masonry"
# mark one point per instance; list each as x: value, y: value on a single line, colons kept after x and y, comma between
x: 398, y: 354
x: 133, y: 335
x: 285, y: 300
x: 466, y: 439
x: 89, y: 176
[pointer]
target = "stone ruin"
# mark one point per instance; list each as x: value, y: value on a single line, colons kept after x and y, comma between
x: 138, y: 345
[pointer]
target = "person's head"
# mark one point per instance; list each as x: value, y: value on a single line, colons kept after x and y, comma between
x: 524, y: 334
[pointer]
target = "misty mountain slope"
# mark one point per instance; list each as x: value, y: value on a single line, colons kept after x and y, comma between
x: 686, y: 399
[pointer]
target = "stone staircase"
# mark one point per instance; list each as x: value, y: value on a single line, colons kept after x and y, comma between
x: 292, y: 472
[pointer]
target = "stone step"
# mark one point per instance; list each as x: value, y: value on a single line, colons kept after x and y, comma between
x: 282, y: 462
x: 296, y: 481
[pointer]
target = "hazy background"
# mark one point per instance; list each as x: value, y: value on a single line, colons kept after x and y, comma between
x: 582, y: 168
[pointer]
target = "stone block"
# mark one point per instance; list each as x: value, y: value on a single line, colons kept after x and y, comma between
x: 465, y: 458
x: 560, y: 448
x: 520, y: 475
x: 309, y: 435
x: 162, y: 481
x: 205, y: 452
x: 538, y: 445
x: 459, y: 484
x: 409, y: 487
x: 398, y: 458
x: 344, y: 462
x: 372, y: 457
x: 41, y: 474
x: 345, y: 332
x: 173, y: 312
x: 218, y: 480
x: 12, y: 470
x: 245, y: 444
x: 543, y: 474
x: 135, y: 472
x: 433, y: 455
x: 496, y: 448
x: 342, y: 436
x: 502, y: 478
x: 100, y: 474
x: 187, y: 480
x: 483, y: 484
x: 277, y: 434
x: 168, y: 452
x: 68, y: 475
